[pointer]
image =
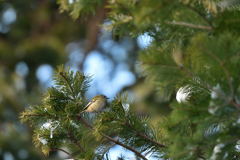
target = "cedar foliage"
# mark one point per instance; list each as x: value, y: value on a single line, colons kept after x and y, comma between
x: 196, y: 44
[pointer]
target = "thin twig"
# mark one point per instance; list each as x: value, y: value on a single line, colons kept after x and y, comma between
x: 199, y: 153
x: 190, y: 25
x: 149, y: 139
x: 200, y: 156
x: 123, y: 145
x: 145, y: 136
x: 59, y: 149
x: 111, y: 139
x: 235, y: 104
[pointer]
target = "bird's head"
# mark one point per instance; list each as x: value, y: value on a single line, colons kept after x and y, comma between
x: 101, y: 96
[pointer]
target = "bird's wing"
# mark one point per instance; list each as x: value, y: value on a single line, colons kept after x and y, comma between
x: 93, y: 100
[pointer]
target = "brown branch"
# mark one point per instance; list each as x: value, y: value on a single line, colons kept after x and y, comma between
x: 145, y: 136
x: 93, y: 30
x: 94, y: 26
x: 200, y: 156
x: 149, y: 139
x: 190, y: 25
x: 232, y: 102
x: 123, y: 145
x: 82, y: 120
x: 59, y: 149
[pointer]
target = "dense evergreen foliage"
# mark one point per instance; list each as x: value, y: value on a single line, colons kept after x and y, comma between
x: 194, y: 54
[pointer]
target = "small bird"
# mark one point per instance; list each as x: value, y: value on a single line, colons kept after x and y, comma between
x: 97, y: 104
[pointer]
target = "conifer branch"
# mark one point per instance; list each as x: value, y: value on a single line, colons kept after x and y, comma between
x: 199, y: 14
x: 192, y: 75
x: 33, y: 115
x: 69, y: 85
x: 226, y: 72
x: 70, y: 135
x: 74, y: 140
x: 82, y: 120
x: 190, y: 25
x: 36, y: 115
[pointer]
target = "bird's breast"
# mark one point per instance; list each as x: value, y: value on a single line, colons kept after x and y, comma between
x: 96, y: 106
